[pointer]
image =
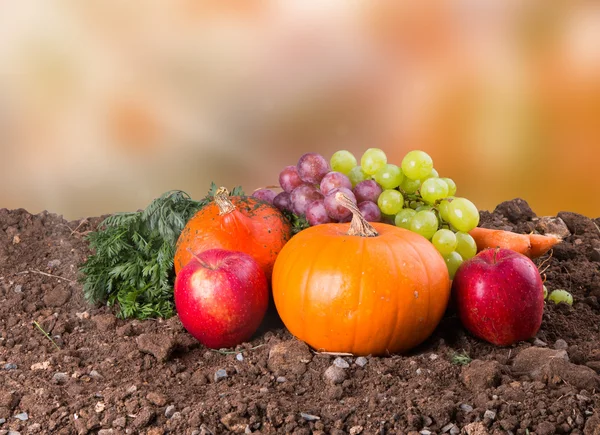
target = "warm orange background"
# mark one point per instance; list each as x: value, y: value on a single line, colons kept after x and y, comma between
x: 106, y: 104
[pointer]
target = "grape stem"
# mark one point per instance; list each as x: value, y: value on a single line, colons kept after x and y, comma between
x: 223, y: 202
x: 359, y: 225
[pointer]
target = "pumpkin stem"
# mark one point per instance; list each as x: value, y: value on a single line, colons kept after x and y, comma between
x: 359, y: 225
x: 223, y: 202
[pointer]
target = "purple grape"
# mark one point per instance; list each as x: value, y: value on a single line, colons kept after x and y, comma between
x: 303, y: 195
x: 335, y: 210
x: 316, y: 213
x: 289, y: 179
x: 266, y: 195
x: 283, y: 201
x: 367, y: 190
x: 312, y: 167
x: 333, y: 180
x: 370, y: 211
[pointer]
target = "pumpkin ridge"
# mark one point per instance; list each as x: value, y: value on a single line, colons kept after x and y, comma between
x: 361, y: 286
x: 417, y: 253
x: 393, y: 331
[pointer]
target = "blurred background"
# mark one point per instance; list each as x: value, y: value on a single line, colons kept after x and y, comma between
x: 106, y: 104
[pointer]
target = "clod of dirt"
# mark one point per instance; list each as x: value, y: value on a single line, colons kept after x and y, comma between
x: 58, y: 296
x: 579, y: 224
x: 592, y: 426
x: 553, y: 366
x: 531, y: 360
x: 289, y: 357
x: 477, y: 428
x: 545, y: 428
x: 516, y: 210
x: 156, y: 398
x: 234, y: 422
x: 159, y: 345
x: 143, y: 418
x: 105, y: 322
x: 479, y: 375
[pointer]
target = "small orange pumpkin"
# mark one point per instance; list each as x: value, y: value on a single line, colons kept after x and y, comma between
x: 236, y: 223
x: 360, y: 288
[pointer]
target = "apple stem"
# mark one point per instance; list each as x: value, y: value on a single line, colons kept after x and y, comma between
x: 196, y: 257
x: 496, y: 253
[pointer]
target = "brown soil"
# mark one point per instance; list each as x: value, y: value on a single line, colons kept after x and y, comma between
x: 112, y: 376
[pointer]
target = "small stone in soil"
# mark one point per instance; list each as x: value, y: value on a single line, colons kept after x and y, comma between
x: 539, y: 343
x: 309, y: 417
x: 95, y: 375
x: 18, y: 288
x: 10, y: 366
x: 335, y: 374
x: 466, y: 408
x: 341, y: 363
x: 23, y: 416
x: 361, y: 361
x: 239, y: 357
x: 119, y: 422
x: 60, y: 378
x: 220, y: 375
x: 169, y: 411
x: 448, y: 427
x: 281, y: 379
x: 560, y: 344
x: 489, y: 414
x: 53, y: 264
x: 2, y: 420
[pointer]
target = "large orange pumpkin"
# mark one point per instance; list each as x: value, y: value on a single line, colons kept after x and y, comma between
x: 236, y: 223
x: 360, y: 288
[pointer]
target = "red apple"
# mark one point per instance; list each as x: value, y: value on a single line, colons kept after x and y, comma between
x: 221, y: 297
x: 499, y: 296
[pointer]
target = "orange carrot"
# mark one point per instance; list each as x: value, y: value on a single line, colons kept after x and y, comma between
x: 531, y: 245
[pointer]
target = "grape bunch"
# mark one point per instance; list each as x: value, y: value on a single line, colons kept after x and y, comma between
x: 411, y: 196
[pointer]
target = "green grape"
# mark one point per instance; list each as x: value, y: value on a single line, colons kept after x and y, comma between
x: 558, y: 296
x: 423, y: 207
x: 356, y: 175
x: 465, y: 246
x: 403, y: 218
x: 388, y: 176
x: 390, y: 201
x: 443, y: 209
x: 453, y: 262
x: 433, y: 174
x: 444, y: 241
x: 372, y: 160
x: 463, y: 215
x: 425, y: 223
x: 409, y: 186
x: 451, y: 186
x: 342, y: 161
x: 417, y: 165
x: 433, y: 189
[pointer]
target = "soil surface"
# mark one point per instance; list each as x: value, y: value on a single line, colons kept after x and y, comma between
x: 112, y: 376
